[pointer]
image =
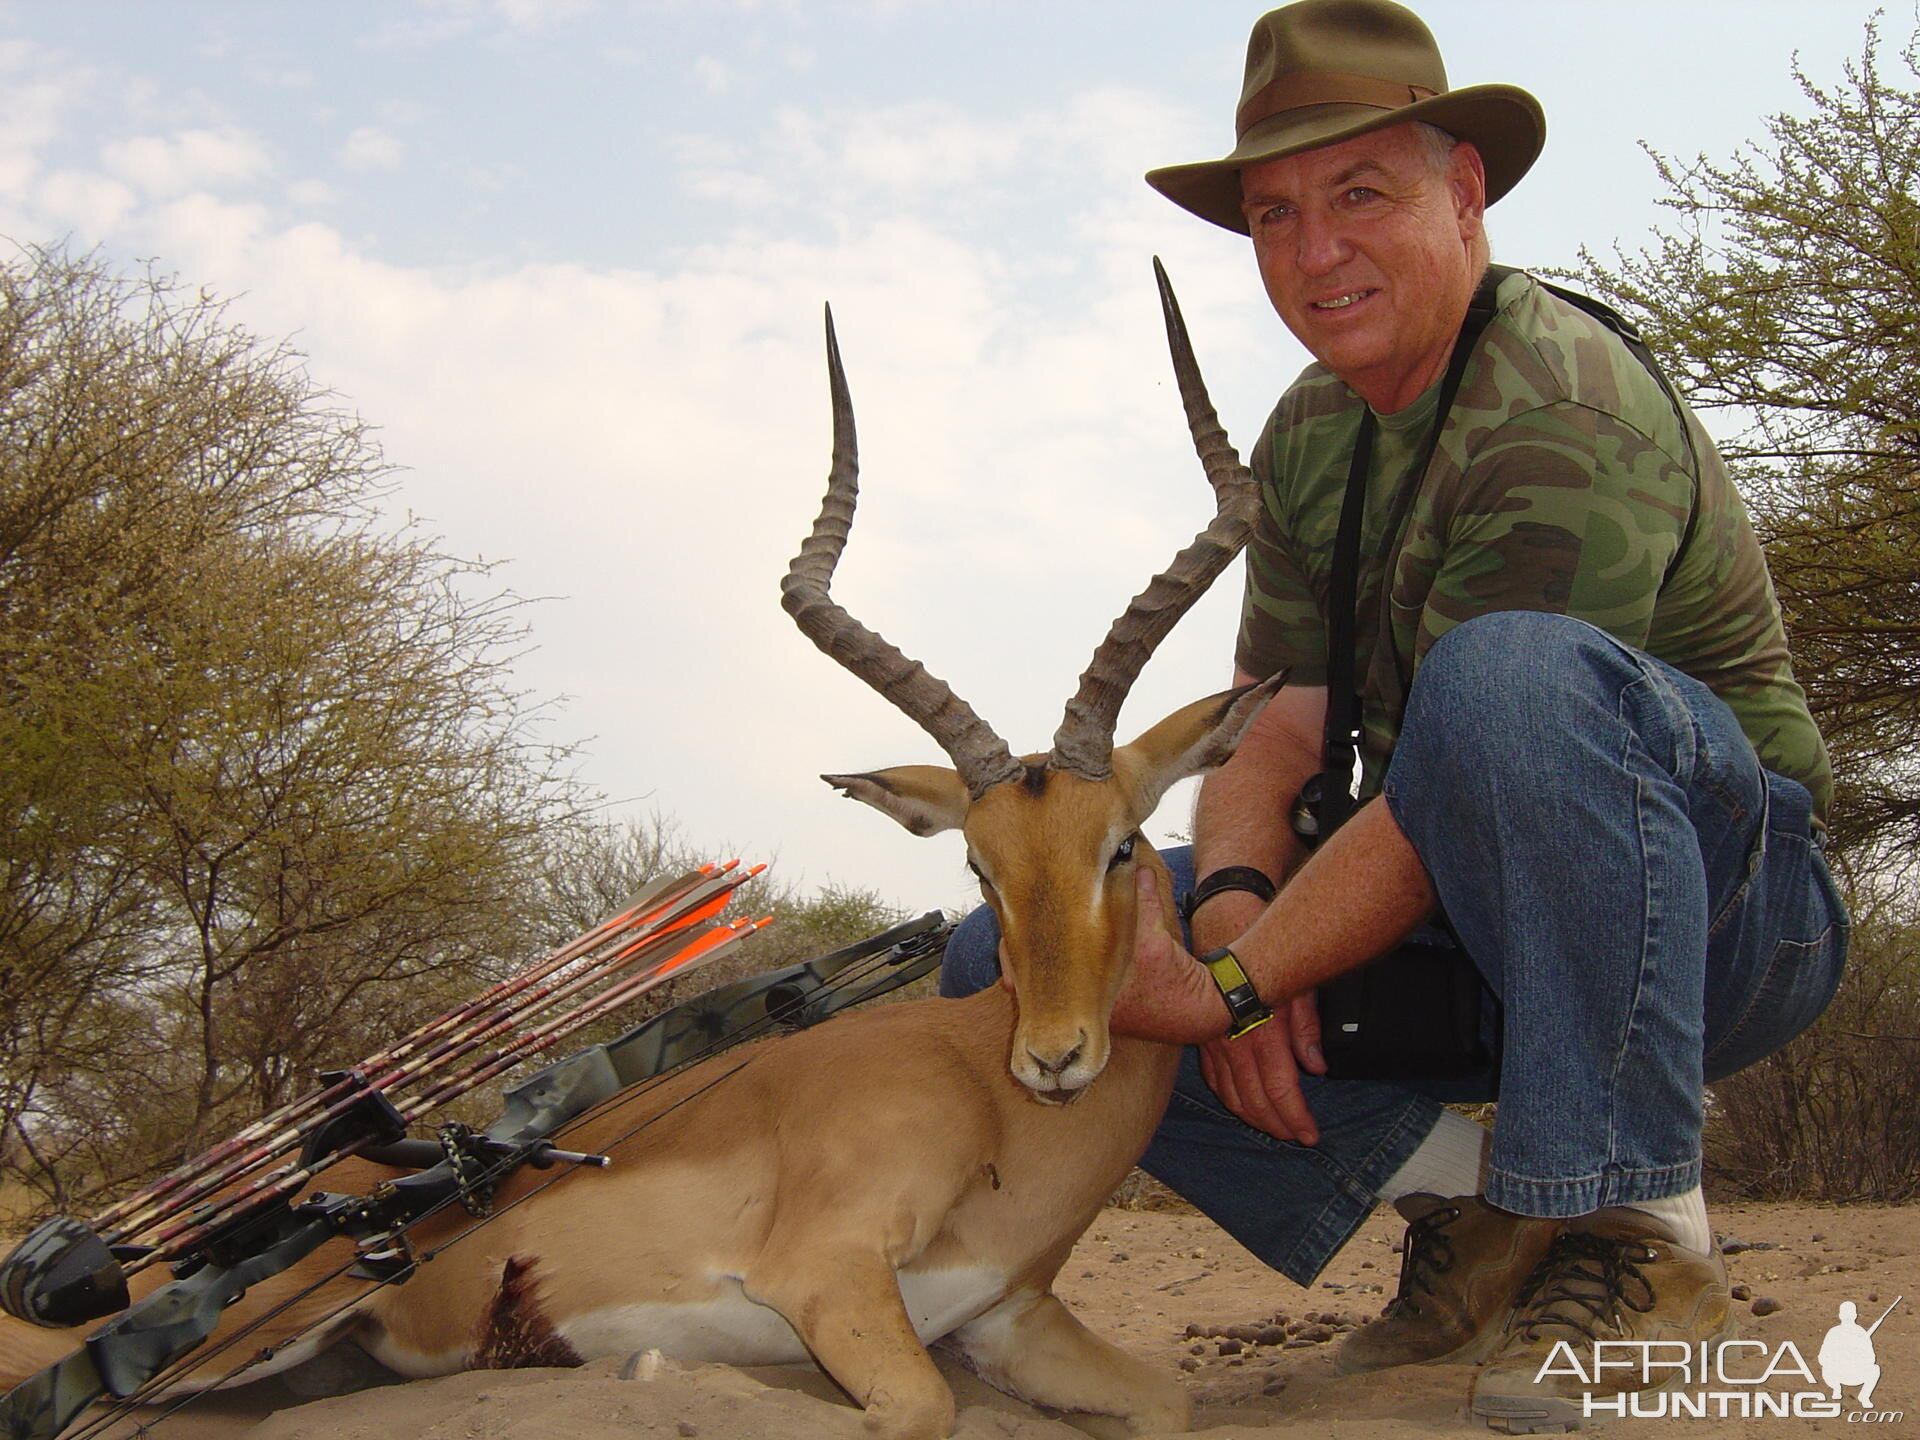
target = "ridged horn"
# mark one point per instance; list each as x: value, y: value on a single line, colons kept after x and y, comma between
x: 981, y: 756
x: 1083, y: 745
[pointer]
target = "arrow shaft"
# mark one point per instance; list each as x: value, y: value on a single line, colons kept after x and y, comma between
x: 179, y: 1238
x: 143, y: 1204
x: 678, y: 905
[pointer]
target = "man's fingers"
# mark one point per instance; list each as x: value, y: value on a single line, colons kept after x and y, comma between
x: 1254, y: 1077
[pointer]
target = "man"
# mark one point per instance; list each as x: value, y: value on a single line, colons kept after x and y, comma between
x: 1583, y: 746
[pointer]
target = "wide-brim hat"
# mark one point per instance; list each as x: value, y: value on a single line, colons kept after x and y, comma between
x: 1323, y: 71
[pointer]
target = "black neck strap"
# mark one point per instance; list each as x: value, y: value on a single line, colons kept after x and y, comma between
x: 1341, y: 743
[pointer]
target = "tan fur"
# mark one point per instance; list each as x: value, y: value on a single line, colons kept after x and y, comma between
x: 852, y: 1191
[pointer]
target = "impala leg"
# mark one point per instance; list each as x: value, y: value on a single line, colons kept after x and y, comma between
x: 847, y: 1308
x: 1031, y: 1346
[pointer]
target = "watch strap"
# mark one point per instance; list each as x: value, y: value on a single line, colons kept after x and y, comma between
x: 1245, y: 1009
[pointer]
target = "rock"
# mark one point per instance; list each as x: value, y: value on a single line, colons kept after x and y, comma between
x: 1248, y: 1334
x: 1198, y: 1347
x: 1766, y: 1305
x: 1818, y: 1238
x: 1317, y: 1334
x: 1120, y: 1255
x: 1274, y: 1386
x: 687, y: 1429
x: 1189, y: 1364
x: 1194, y: 1332
x: 1296, y: 1344
x: 1731, y: 1246
x: 1232, y: 1347
x: 1742, y: 1292
x: 1271, y: 1335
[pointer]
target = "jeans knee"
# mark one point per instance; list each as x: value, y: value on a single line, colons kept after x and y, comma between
x: 1510, y: 696
x: 1495, y: 680
x: 1515, y: 650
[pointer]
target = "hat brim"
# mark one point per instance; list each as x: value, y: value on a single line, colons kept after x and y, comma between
x: 1504, y: 122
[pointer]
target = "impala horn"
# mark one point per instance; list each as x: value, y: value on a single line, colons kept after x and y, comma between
x: 1083, y: 745
x: 981, y: 757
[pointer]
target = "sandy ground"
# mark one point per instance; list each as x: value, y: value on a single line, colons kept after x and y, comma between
x: 1164, y: 1285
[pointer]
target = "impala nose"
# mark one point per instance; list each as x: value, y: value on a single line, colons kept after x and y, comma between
x: 1055, y: 1067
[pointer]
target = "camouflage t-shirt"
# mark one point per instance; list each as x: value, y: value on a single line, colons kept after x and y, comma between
x: 1563, y: 483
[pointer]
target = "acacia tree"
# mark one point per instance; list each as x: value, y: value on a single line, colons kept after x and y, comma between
x: 262, y: 778
x: 1785, y: 302
x: 266, y: 797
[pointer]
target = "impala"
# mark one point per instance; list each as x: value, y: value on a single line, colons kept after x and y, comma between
x: 856, y: 1191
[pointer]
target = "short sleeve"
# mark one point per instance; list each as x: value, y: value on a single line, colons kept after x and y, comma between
x: 1281, y: 624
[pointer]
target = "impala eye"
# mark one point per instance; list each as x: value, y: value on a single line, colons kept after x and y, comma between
x: 1123, y: 854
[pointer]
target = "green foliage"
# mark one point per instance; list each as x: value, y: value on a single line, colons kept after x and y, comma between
x: 267, y: 799
x: 1784, y: 303
x: 266, y: 795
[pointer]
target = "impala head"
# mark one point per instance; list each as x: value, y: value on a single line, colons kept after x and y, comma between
x: 1055, y: 838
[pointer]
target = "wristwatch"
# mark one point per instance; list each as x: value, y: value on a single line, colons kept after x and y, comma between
x: 1246, y: 1010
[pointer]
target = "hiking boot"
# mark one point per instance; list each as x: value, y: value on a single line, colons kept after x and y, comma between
x: 1463, y: 1264
x: 1614, y: 1275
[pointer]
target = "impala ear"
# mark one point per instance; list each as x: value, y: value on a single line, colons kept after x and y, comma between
x: 1195, y: 739
x: 925, y: 798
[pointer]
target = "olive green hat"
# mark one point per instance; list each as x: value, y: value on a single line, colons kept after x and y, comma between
x: 1323, y: 71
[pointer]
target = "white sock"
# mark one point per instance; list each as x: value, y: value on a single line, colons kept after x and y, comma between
x: 1451, y: 1161
x: 1686, y: 1216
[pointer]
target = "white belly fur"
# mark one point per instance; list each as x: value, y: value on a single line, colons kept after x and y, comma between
x: 734, y: 1330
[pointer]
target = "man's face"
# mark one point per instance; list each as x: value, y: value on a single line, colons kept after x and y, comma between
x: 1369, y: 253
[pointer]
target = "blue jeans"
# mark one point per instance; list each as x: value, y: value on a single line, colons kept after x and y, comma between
x: 1649, y: 904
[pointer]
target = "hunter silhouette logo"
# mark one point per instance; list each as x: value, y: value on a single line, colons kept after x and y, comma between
x: 1730, y: 1379
x: 1846, y: 1355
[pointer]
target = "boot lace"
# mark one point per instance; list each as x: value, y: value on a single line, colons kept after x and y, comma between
x: 1429, y: 1254
x: 1583, y: 1284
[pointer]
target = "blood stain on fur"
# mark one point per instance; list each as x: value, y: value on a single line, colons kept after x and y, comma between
x: 516, y: 1332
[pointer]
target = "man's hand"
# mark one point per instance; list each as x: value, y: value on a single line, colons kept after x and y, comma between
x: 1169, y: 996
x: 1257, y: 1077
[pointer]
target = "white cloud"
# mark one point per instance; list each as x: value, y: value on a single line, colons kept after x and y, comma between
x: 649, y: 443
x: 713, y: 75
x: 443, y: 20
x: 83, y: 202
x: 371, y: 148
x: 312, y: 194
x: 188, y: 160
x: 538, y: 14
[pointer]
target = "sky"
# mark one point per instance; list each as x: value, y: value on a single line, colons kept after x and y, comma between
x: 569, y: 257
